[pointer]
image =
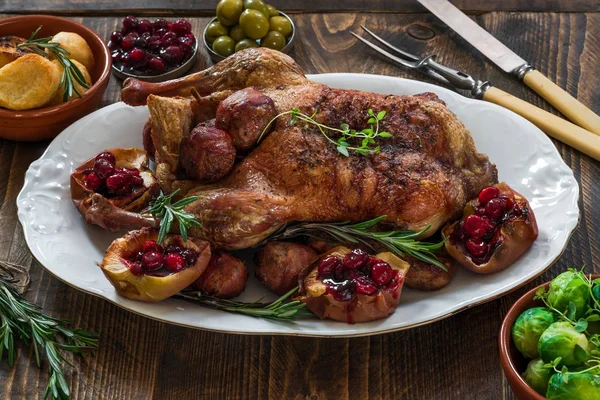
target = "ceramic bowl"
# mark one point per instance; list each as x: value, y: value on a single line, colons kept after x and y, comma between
x: 513, y: 362
x: 47, y: 122
x: 217, y: 57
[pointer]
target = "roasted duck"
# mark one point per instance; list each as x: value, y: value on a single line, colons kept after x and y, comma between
x: 423, y: 175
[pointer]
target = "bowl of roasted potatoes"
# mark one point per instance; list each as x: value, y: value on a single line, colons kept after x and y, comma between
x: 53, y: 71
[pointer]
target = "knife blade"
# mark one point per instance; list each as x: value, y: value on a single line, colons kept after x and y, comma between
x: 510, y: 62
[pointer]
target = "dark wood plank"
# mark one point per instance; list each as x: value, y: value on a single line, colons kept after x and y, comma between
x: 456, y: 358
x: 207, y: 7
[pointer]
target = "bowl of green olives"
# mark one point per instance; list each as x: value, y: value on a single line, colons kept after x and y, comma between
x: 241, y: 24
x: 550, y: 340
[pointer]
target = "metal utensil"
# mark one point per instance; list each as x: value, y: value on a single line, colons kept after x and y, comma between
x: 568, y: 133
x: 510, y: 62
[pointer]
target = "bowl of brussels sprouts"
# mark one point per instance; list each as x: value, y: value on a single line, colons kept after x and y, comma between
x: 241, y: 24
x: 550, y: 340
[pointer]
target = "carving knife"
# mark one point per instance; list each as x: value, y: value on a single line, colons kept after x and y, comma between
x: 510, y: 62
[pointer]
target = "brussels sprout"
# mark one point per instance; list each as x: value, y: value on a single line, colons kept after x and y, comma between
x: 562, y: 340
x: 528, y: 328
x: 537, y: 376
x: 573, y: 386
x: 566, y: 288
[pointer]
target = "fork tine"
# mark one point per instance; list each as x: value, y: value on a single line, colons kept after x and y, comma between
x: 406, y: 63
x: 412, y: 57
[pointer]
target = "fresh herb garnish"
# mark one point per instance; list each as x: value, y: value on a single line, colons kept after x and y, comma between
x: 367, y: 136
x: 398, y: 242
x: 71, y: 73
x: 279, y: 309
x: 162, y: 208
x: 24, y: 320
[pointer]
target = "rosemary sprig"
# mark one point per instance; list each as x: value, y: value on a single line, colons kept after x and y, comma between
x: 367, y: 136
x: 162, y: 208
x: 71, y: 73
x: 279, y: 310
x: 21, y: 318
x: 398, y: 242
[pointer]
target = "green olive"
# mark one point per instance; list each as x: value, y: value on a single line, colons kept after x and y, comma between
x: 224, y: 46
x: 281, y: 25
x: 273, y: 40
x: 258, y: 5
x: 245, y: 44
x: 272, y: 11
x: 237, y: 33
x: 214, y: 30
x: 254, y: 24
x: 228, y: 11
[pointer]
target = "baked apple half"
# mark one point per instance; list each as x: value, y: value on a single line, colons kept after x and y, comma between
x: 496, y: 229
x: 114, y: 181
x: 141, y: 269
x: 351, y: 286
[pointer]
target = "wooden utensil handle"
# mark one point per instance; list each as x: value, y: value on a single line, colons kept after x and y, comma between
x: 563, y: 101
x: 563, y: 130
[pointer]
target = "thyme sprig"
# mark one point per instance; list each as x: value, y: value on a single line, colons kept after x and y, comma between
x: 71, y: 72
x: 24, y: 320
x: 398, y: 242
x: 162, y: 208
x: 367, y: 136
x: 280, y: 309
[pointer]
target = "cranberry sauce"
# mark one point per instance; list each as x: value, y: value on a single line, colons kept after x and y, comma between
x: 155, y: 261
x: 142, y: 47
x: 106, y: 179
x: 479, y: 233
x: 356, y: 273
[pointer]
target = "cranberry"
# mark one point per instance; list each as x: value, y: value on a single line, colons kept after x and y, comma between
x: 106, y: 155
x: 151, y: 245
x: 172, y: 55
x: 160, y: 32
x: 116, y: 37
x: 140, y: 42
x: 339, y: 273
x: 474, y: 226
x: 168, y: 39
x: 189, y: 256
x: 116, y: 182
x: 509, y: 202
x: 341, y: 291
x: 327, y: 266
x: 174, y: 262
x: 124, y: 190
x: 490, y: 227
x: 458, y: 234
x: 181, y: 27
x: 130, y: 23
x: 137, y: 55
x: 126, y: 59
x: 128, y: 41
x: 160, y: 23
x: 103, y: 168
x: 186, y: 44
x: 153, y: 42
x: 152, y: 260
x: 495, y: 208
x: 381, y: 273
x: 191, y: 36
x: 92, y: 181
x: 173, y: 248
x: 136, y: 268
x: 132, y: 171
x: 156, y: 64
x: 364, y: 285
x: 170, y: 26
x: 488, y: 194
x: 144, y: 26
x: 136, y: 180
x: 117, y: 56
x: 355, y: 259
x: 477, y: 247
x: 113, y: 45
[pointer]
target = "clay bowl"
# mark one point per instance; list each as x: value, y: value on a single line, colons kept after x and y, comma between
x: 513, y: 362
x: 47, y: 122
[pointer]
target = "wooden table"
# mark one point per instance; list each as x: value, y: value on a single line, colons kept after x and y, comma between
x: 456, y: 358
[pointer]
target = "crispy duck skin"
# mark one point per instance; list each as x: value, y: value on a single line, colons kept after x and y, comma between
x: 424, y: 174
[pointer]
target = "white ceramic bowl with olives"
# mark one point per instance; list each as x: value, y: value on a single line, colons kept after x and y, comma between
x: 241, y: 24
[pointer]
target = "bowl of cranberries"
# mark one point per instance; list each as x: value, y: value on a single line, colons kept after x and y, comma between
x: 153, y: 51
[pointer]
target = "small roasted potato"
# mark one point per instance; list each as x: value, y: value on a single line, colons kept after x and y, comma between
x: 279, y: 265
x: 28, y: 82
x: 427, y: 277
x: 58, y: 96
x: 225, y: 277
x: 207, y: 154
x: 9, y: 51
x: 76, y: 46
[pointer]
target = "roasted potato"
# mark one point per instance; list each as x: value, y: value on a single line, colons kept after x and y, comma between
x: 28, y: 82
x: 77, y: 46
x: 225, y: 277
x: 9, y: 51
x: 58, y: 96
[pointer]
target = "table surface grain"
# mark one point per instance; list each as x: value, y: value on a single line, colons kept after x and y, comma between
x: 456, y: 358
